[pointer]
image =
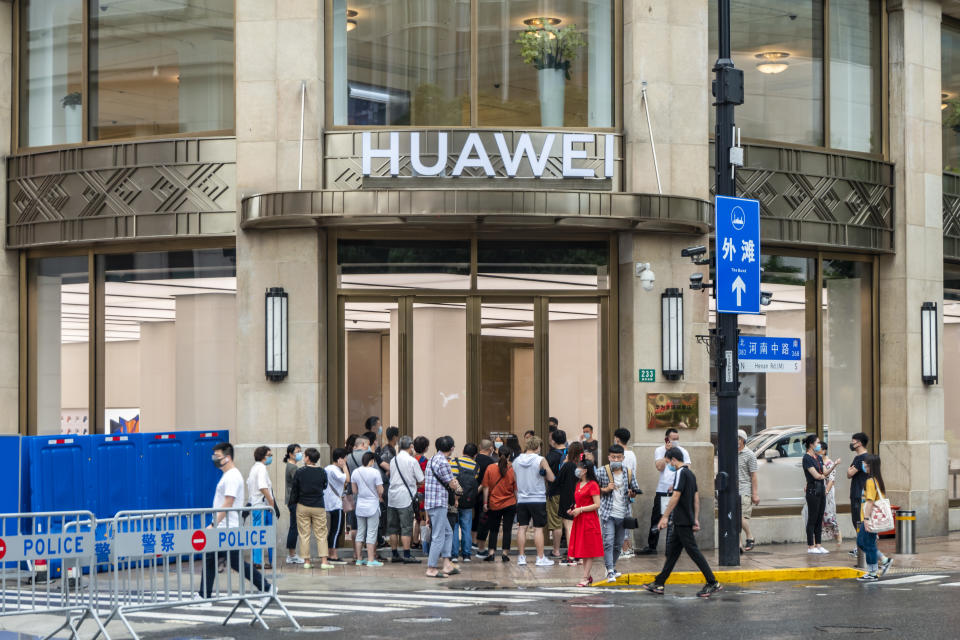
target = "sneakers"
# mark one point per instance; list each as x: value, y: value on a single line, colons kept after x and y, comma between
x: 629, y: 553
x: 544, y: 562
x: 336, y: 561
x: 505, y: 558
x: 455, y: 559
x: 568, y: 562
x: 611, y: 576
x: 411, y: 560
x: 307, y: 565
x: 200, y: 602
x: 653, y: 587
x: 521, y: 561
x: 709, y: 589
x: 294, y: 559
x: 852, y: 553
x: 646, y: 551
x: 822, y: 550
x: 483, y: 554
x: 813, y: 551
x: 885, y: 566
x: 466, y: 558
x: 374, y: 563
x: 362, y: 563
x: 489, y: 557
x: 396, y: 559
x: 868, y: 577
x: 326, y: 566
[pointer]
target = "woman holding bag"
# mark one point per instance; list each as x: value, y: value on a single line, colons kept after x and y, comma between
x: 867, y: 540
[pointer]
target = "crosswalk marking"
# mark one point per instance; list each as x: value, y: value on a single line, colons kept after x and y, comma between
x: 911, y: 579
x: 517, y: 592
x: 950, y: 584
x: 418, y: 598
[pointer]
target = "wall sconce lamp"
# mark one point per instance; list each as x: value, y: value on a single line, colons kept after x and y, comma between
x: 929, y: 343
x: 276, y: 333
x: 671, y: 304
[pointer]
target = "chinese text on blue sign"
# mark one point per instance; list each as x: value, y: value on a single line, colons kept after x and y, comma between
x: 769, y: 355
x: 738, y: 255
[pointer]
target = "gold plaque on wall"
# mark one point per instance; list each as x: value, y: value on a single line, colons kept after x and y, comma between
x: 677, y: 410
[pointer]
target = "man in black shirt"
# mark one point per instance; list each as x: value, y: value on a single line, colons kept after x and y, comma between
x: 685, y: 506
x: 558, y: 451
x: 858, y: 479
x: 485, y: 458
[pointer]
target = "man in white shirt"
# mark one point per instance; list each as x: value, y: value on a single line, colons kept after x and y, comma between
x: 671, y: 440
x: 405, y: 475
x: 621, y: 437
x: 260, y: 490
x: 229, y: 494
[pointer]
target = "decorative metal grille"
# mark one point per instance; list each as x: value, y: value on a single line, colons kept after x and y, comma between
x: 951, y: 216
x: 819, y: 198
x: 157, y: 188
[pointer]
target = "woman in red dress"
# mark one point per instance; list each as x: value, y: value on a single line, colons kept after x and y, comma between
x: 586, y: 538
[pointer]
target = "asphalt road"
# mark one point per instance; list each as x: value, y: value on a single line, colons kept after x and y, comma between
x: 920, y: 606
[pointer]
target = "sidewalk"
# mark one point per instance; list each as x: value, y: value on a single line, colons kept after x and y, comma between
x: 934, y: 554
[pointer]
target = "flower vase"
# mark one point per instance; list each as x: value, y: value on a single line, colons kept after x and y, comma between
x: 551, y: 84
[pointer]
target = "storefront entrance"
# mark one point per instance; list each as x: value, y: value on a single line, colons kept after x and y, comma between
x: 473, y: 339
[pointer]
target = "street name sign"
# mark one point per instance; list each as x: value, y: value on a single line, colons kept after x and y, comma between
x: 738, y: 255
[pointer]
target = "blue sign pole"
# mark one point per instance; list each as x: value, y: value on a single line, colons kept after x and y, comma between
x: 738, y: 255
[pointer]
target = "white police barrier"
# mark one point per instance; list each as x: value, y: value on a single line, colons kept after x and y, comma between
x: 63, y: 539
x: 169, y: 558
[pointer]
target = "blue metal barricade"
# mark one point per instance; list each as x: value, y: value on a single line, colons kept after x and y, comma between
x: 65, y: 538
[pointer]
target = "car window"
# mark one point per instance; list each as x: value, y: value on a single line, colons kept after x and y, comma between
x: 790, y: 446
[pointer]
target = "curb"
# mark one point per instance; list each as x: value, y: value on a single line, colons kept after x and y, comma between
x: 740, y: 576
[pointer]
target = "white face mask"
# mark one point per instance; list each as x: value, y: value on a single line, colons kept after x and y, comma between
x: 579, y: 472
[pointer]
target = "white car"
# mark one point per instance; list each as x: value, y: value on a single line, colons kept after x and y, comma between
x: 780, y: 477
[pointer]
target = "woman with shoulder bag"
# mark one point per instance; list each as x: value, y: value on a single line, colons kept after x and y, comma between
x: 816, y: 494
x: 877, y: 563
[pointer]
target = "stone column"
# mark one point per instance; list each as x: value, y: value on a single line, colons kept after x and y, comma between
x: 665, y: 44
x: 279, y: 44
x: 912, y: 444
x: 9, y: 260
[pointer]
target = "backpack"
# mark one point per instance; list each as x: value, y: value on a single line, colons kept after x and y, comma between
x: 470, y: 486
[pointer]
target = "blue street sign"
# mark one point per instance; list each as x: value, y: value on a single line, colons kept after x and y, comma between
x: 738, y: 255
x: 763, y: 354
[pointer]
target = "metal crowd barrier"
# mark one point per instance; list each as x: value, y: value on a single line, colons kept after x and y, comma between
x: 63, y: 540
x: 169, y: 558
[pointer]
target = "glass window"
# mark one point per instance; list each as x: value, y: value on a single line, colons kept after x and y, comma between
x: 574, y: 362
x: 160, y: 68
x: 782, y: 404
x: 950, y: 96
x: 51, y: 47
x: 60, y: 308
x: 407, y: 62
x: 401, y: 62
x: 545, y: 63
x: 547, y: 265
x: 506, y: 368
x: 779, y: 46
x: 170, y: 324
x: 950, y: 375
x: 398, y: 264
x: 847, y: 356
x: 371, y: 345
x: 440, y: 370
x: 855, y: 75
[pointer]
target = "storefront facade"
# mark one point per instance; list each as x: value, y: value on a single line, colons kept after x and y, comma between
x: 469, y: 244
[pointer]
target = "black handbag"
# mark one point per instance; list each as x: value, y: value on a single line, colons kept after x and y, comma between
x: 630, y: 523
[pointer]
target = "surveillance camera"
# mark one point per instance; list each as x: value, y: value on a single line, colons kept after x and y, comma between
x: 696, y: 281
x: 693, y: 252
x: 766, y: 298
x: 646, y: 275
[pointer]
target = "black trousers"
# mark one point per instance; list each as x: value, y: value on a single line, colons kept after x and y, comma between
x: 654, y: 536
x: 233, y: 558
x: 681, y: 538
x: 816, y: 502
x: 495, y: 520
x: 334, y: 527
x: 292, y: 531
x: 855, y: 512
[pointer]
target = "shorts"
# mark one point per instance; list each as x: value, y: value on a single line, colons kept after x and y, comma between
x: 536, y: 511
x: 553, y: 513
x: 746, y: 506
x: 400, y: 521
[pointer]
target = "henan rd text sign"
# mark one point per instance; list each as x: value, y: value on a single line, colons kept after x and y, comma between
x: 515, y: 157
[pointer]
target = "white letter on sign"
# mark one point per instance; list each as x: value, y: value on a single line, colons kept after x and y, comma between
x: 421, y: 169
x: 472, y: 144
x: 524, y: 146
x: 570, y: 139
x: 393, y: 153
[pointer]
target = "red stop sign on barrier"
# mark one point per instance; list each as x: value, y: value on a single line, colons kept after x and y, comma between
x: 3, y: 548
x: 198, y: 540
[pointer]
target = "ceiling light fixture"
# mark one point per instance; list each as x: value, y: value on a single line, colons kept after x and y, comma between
x: 943, y: 100
x: 541, y: 23
x: 772, y: 62
x: 351, y: 23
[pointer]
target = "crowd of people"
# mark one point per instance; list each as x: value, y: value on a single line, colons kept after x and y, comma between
x: 382, y: 491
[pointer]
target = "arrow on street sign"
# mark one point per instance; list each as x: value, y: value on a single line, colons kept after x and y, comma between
x: 739, y: 287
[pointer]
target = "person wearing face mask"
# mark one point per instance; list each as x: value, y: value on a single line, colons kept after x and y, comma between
x: 292, y: 460
x: 338, y: 479
x: 684, y: 506
x: 260, y: 490
x: 617, y: 485
x: 671, y: 440
x: 815, y: 493
x: 858, y: 479
x: 229, y: 494
x: 586, y: 539
x: 873, y: 490
x: 309, y: 484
